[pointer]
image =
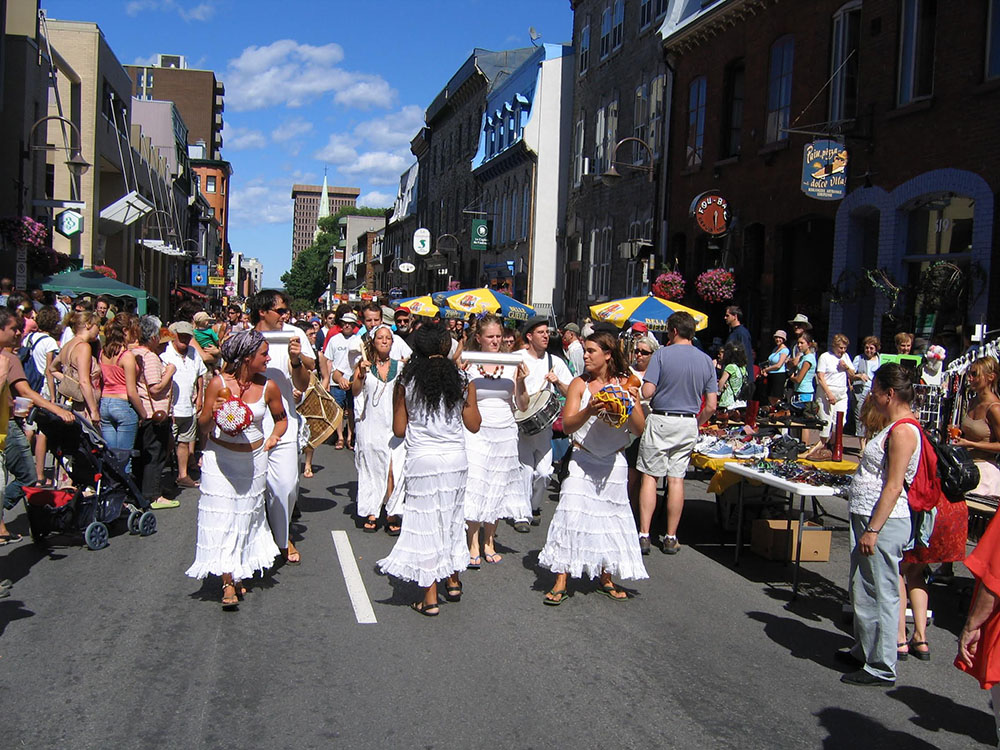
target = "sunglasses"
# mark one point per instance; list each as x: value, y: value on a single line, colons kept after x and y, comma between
x: 280, y: 310
x: 643, y: 352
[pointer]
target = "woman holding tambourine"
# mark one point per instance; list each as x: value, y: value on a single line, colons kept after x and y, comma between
x: 234, y: 540
x: 593, y: 532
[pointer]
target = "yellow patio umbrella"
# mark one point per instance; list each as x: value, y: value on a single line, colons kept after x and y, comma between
x: 652, y: 311
x: 419, y: 305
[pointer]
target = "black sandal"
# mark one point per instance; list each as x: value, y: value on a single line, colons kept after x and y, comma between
x: 371, y: 525
x: 425, y: 609
x: 392, y: 528
x: 453, y: 592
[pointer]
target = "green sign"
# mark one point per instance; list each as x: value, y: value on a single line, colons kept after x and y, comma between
x: 69, y: 223
x: 481, y: 230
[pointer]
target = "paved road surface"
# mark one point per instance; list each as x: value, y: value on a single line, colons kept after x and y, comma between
x: 117, y: 648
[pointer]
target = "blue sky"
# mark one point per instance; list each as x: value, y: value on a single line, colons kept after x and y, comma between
x: 309, y: 84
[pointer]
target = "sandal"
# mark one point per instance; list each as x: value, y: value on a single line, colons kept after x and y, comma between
x: 492, y: 558
x: 900, y: 654
x: 425, y: 609
x: 563, y: 595
x: 339, y: 445
x: 609, y: 590
x: 475, y: 563
x: 392, y: 528
x: 453, y: 592
x: 307, y: 473
x: 229, y: 601
x: 291, y: 558
x: 917, y: 654
x: 371, y: 525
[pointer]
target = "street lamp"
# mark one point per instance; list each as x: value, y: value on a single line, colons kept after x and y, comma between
x: 76, y: 164
x: 612, y: 174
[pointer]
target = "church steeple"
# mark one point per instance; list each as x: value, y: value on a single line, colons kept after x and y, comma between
x: 324, y: 206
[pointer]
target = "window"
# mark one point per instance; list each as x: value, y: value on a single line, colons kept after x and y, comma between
x: 605, y: 32
x: 149, y: 80
x: 503, y: 220
x: 661, y: 7
x: 656, y: 90
x: 916, y: 50
x: 779, y: 89
x: 993, y: 40
x: 584, y: 49
x: 210, y: 183
x: 578, y: 151
x: 602, y: 261
x: 696, y: 123
x: 611, y: 130
x: 641, y: 121
x: 844, y: 62
x: 526, y: 210
x: 645, y: 13
x: 514, y: 226
x: 591, y: 272
x: 732, y: 124
x: 599, y: 141
x: 618, y: 30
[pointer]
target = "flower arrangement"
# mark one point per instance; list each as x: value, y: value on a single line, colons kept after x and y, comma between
x: 107, y: 271
x: 716, y: 285
x: 23, y: 231
x: 669, y: 286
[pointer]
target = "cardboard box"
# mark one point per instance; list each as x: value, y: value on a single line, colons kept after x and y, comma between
x: 771, y: 539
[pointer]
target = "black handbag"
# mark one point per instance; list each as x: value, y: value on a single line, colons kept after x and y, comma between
x: 956, y: 469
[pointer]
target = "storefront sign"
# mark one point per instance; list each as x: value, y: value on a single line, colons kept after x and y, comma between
x: 711, y: 212
x: 481, y: 234
x: 216, y: 280
x: 422, y: 241
x: 199, y: 274
x: 69, y: 223
x: 824, y: 170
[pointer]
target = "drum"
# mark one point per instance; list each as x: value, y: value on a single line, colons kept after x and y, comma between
x: 321, y: 412
x: 543, y: 408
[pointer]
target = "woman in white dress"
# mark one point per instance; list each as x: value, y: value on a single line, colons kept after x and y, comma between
x: 593, y: 532
x: 432, y: 401
x: 378, y: 454
x: 497, y: 486
x: 234, y: 540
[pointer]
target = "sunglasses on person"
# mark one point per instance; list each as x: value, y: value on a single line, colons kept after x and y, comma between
x: 280, y: 310
x: 644, y: 352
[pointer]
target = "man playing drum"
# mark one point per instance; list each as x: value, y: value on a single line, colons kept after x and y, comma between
x: 545, y: 372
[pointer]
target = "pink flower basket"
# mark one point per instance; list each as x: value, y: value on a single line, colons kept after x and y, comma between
x: 716, y: 285
x: 669, y: 286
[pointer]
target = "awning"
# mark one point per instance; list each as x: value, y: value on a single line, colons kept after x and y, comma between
x: 192, y: 292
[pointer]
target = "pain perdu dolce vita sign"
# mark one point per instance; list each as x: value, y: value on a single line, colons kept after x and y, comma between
x: 824, y: 170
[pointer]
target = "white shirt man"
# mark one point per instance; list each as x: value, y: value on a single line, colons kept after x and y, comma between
x: 535, y: 451
x: 185, y: 396
x: 573, y: 348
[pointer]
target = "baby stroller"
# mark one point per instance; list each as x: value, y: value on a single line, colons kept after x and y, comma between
x: 103, y: 489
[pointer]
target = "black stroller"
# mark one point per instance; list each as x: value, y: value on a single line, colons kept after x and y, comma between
x: 103, y: 489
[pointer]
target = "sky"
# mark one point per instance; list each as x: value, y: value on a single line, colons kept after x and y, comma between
x: 310, y: 85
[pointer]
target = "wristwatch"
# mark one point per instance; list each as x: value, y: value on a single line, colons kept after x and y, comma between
x: 869, y: 529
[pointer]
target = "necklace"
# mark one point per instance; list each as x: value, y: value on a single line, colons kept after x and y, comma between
x: 495, y: 375
x: 390, y: 373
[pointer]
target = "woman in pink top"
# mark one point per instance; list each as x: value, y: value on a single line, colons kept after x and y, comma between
x: 121, y: 408
x: 155, y: 387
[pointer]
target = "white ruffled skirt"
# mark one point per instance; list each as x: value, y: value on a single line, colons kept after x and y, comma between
x: 431, y: 545
x: 592, y: 530
x: 233, y: 535
x: 498, y: 486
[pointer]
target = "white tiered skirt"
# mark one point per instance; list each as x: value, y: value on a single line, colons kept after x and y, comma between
x: 233, y: 535
x: 498, y: 486
x: 592, y: 530
x: 431, y: 545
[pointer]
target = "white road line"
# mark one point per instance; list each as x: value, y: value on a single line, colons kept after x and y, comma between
x: 352, y: 577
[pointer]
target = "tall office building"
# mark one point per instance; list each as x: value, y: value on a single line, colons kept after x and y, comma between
x: 306, y: 211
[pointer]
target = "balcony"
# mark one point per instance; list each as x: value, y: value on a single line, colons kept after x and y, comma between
x: 220, y: 103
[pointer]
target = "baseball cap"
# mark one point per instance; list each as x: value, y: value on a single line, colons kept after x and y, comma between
x: 572, y: 328
x: 533, y: 323
x: 68, y: 293
x: 182, y: 327
x: 640, y: 328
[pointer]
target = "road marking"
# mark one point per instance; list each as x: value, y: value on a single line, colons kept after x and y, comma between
x: 352, y: 577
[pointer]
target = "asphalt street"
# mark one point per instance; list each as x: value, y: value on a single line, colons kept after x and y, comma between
x: 117, y: 648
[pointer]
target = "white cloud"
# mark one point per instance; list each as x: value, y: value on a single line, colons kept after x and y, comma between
x: 393, y: 131
x: 290, y: 130
x: 292, y: 74
x: 257, y: 203
x: 375, y: 199
x: 200, y: 12
x: 238, y: 139
x: 377, y: 167
x: 135, y: 7
x: 340, y: 149
x: 145, y: 61
x: 203, y: 11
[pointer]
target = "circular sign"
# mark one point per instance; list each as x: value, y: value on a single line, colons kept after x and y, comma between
x: 482, y: 230
x: 711, y: 212
x: 422, y: 241
x: 407, y: 267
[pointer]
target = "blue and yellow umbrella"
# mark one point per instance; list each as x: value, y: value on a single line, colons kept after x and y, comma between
x: 484, y: 300
x: 652, y: 311
x: 418, y: 305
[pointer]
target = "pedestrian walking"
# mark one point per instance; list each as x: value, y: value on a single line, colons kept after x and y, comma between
x: 78, y: 358
x: 678, y: 377
x: 432, y: 401
x: 234, y: 540
x: 155, y: 386
x: 185, y: 396
x: 121, y: 408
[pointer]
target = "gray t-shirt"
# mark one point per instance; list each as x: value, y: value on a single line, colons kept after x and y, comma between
x: 682, y: 374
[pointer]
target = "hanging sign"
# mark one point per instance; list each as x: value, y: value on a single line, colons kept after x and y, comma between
x: 824, y: 170
x: 480, y: 234
x: 711, y: 212
x: 69, y: 223
x: 407, y: 267
x: 199, y: 274
x: 422, y: 241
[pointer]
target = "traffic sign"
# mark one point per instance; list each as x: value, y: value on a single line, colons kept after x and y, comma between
x: 422, y: 241
x: 216, y: 280
x: 69, y: 223
x: 199, y: 275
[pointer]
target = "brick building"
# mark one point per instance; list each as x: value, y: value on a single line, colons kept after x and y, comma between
x: 305, y: 211
x: 911, y: 92
x: 199, y: 97
x: 612, y: 225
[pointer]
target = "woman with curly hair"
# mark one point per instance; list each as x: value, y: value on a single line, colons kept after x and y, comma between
x: 432, y: 401
x: 593, y: 532
x: 121, y: 407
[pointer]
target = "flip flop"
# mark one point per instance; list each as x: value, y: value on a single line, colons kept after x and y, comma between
x: 493, y: 558
x: 609, y: 591
x: 308, y: 474
x: 425, y: 609
x: 475, y: 563
x: 288, y: 558
x: 187, y: 482
x: 453, y: 593
x: 563, y: 595
x: 370, y: 525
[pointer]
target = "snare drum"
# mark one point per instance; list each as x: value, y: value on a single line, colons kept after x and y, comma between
x: 543, y: 408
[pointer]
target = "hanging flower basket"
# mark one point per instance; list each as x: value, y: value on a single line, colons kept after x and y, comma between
x: 23, y: 231
x: 716, y: 285
x: 669, y: 286
x: 107, y: 271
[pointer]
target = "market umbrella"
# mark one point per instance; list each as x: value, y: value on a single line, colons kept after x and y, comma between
x: 89, y: 281
x: 418, y: 305
x: 653, y: 311
x: 484, y: 301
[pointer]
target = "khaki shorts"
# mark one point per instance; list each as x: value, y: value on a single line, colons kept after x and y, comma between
x: 185, y: 429
x: 666, y: 445
x: 828, y: 412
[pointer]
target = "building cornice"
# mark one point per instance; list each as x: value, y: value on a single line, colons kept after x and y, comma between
x: 713, y: 22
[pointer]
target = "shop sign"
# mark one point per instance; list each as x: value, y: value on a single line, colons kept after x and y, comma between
x: 422, y: 241
x: 199, y: 274
x: 711, y: 212
x: 216, y: 280
x: 69, y: 223
x: 481, y: 234
x: 824, y: 170
x: 407, y: 268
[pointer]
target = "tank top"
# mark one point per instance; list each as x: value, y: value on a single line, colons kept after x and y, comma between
x: 432, y: 431
x: 253, y: 431
x: 114, y: 377
x: 495, y: 396
x: 978, y: 431
x: 597, y: 436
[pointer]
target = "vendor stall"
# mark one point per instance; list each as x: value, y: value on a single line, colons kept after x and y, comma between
x: 89, y: 281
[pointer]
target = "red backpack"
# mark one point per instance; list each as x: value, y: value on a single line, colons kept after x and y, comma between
x: 925, y: 490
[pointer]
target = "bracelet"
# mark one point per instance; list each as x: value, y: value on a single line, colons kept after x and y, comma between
x: 295, y: 365
x: 869, y: 529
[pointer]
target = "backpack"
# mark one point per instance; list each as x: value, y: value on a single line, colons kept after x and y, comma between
x: 943, y: 470
x: 746, y: 387
x: 36, y: 379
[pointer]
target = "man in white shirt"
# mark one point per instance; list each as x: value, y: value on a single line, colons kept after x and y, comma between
x: 289, y: 372
x: 334, y: 368
x: 573, y: 348
x: 371, y: 316
x: 186, y: 395
x: 545, y: 372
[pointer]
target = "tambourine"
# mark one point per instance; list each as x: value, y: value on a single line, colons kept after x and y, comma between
x: 620, y: 401
x: 233, y: 417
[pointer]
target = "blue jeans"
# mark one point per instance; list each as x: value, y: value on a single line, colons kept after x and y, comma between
x: 339, y: 395
x: 19, y: 463
x: 119, y: 424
